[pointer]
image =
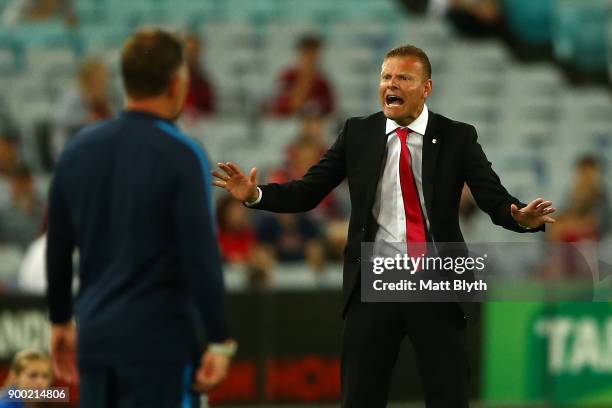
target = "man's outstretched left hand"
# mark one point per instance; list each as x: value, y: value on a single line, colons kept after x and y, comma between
x: 534, y: 214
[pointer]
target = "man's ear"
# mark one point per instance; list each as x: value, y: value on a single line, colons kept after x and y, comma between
x: 173, y: 85
x: 428, y: 87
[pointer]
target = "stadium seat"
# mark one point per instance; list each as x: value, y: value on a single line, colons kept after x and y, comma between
x: 520, y: 168
x: 12, y: 52
x: 319, y: 11
x: 254, y: 11
x: 278, y: 132
x: 529, y: 20
x: 10, y: 259
x: 427, y: 33
x: 219, y: 135
x: 369, y: 34
x: 581, y: 33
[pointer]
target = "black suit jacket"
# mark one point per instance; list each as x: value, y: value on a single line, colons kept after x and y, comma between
x: 358, y: 155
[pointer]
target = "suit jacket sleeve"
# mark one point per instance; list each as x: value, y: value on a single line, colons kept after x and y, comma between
x: 306, y: 193
x: 486, y: 187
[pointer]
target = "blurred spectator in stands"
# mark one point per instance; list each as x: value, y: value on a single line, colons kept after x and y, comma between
x: 476, y: 18
x: 312, y: 130
x: 303, y: 88
x: 31, y: 275
x: 20, y: 221
x: 336, y: 234
x: 585, y: 219
x: 16, y: 11
x: 11, y: 246
x: 330, y: 214
x: 201, y: 95
x: 239, y: 244
x: 9, y: 156
x: 237, y: 236
x: 473, y: 222
x: 587, y: 215
x: 416, y: 7
x: 88, y: 103
x: 294, y: 238
x: 467, y: 205
x: 301, y: 154
x: 30, y: 369
x: 8, y: 125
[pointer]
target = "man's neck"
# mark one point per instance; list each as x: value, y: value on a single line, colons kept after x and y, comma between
x: 152, y: 106
x: 409, y: 119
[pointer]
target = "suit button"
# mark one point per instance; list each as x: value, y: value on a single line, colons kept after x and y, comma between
x: 358, y: 260
x: 363, y: 229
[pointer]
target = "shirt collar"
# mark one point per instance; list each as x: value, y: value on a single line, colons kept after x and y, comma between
x: 418, y: 125
x: 143, y: 114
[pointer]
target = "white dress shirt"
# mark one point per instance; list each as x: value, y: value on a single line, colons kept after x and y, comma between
x: 388, y: 209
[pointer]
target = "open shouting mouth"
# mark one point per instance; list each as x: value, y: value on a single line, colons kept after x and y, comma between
x: 393, y: 100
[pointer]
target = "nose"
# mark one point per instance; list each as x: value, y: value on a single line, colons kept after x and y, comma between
x: 393, y: 84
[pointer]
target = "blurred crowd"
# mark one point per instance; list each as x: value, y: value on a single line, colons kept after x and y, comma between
x: 20, y: 207
x: 583, y: 216
x: 256, y: 241
x: 260, y: 240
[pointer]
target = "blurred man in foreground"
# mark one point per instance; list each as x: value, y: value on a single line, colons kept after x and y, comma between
x: 133, y: 195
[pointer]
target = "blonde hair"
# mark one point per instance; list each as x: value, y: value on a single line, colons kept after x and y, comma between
x: 21, y: 361
x: 89, y: 66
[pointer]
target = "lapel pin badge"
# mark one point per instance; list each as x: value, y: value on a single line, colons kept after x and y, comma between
x: 434, y: 141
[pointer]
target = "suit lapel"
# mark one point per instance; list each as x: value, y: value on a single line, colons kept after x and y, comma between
x: 377, y: 143
x: 431, y: 146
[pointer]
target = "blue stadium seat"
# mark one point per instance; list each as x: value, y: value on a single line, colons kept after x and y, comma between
x: 50, y: 34
x: 98, y: 36
x: 13, y: 45
x: 581, y: 33
x: 530, y: 20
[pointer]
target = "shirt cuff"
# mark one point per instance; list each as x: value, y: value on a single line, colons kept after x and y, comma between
x: 252, y: 203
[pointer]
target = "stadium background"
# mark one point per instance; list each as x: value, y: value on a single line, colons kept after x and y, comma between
x: 533, y: 76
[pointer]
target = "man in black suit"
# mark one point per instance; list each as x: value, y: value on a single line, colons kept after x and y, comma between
x: 405, y: 167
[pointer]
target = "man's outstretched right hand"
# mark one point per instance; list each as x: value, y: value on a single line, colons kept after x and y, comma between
x: 238, y: 184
